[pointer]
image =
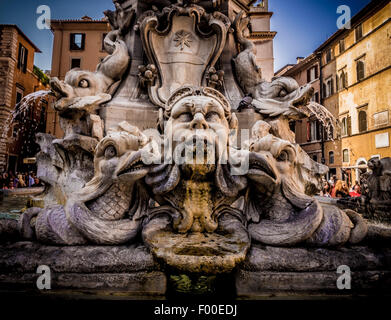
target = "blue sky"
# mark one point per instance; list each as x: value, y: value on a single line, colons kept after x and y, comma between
x: 302, y: 25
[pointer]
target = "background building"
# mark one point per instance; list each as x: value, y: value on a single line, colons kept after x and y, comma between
x: 18, y: 78
x: 355, y: 85
x: 308, y: 131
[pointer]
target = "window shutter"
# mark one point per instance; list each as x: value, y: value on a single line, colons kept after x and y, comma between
x: 360, y: 70
x: 309, y: 75
x: 71, y: 39
x: 336, y: 82
x: 332, y: 86
x: 362, y: 119
x: 83, y: 41
x: 316, y: 72
x: 349, y: 126
x: 308, y: 131
x: 19, y: 56
x: 26, y: 54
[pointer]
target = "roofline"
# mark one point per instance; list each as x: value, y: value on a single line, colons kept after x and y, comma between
x: 302, y: 63
x: 373, y: 6
x: 287, y: 65
x: 77, y: 21
x: 23, y: 34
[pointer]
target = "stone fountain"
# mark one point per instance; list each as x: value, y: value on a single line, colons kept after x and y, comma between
x: 149, y: 182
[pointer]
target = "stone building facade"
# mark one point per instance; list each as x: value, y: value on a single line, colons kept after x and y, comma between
x: 355, y: 76
x: 17, y: 79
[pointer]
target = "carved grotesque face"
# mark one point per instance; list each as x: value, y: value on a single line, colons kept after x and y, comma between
x: 119, y: 157
x: 271, y: 159
x: 199, y: 131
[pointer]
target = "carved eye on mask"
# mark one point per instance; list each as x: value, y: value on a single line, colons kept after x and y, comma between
x: 84, y: 83
x: 286, y: 155
x: 283, y: 93
x: 110, y: 152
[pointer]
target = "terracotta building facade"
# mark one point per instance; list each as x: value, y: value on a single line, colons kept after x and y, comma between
x: 17, y: 79
x: 355, y: 85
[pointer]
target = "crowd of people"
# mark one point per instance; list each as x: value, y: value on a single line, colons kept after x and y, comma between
x: 10, y: 180
x: 335, y: 188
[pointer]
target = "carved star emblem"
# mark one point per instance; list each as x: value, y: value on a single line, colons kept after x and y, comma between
x: 182, y: 39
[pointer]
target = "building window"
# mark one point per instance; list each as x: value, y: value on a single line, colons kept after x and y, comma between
x: 313, y: 131
x: 358, y: 32
x: 331, y: 157
x: 75, y: 63
x: 345, y: 155
x: 341, y: 46
x: 19, y: 97
x: 360, y: 67
x: 103, y: 41
x: 343, y: 80
x: 22, y: 58
x: 15, y: 131
x: 362, y: 121
x: 344, y: 127
x: 329, y: 55
x: 77, y: 41
x: 312, y: 74
x: 315, y: 157
x: 330, y: 87
x: 315, y: 97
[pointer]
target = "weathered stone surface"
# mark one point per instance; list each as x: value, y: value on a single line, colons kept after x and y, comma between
x: 151, y: 283
x: 311, y: 260
x: 25, y: 257
x: 253, y: 284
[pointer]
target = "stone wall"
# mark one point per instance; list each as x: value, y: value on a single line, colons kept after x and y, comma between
x: 8, y: 52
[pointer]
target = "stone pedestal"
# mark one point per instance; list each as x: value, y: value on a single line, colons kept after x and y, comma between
x: 130, y: 272
x: 127, y: 269
x: 301, y: 272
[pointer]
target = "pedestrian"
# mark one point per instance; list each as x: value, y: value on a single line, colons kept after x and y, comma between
x: 6, y: 180
x: 339, y: 190
x: 31, y: 180
x: 356, y: 191
x: 22, y: 184
x: 326, y: 191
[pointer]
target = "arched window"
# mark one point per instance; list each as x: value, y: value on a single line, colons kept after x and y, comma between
x: 362, y: 121
x: 345, y: 154
x: 331, y: 157
x: 360, y: 70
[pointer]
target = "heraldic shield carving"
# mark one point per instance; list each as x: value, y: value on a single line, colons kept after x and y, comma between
x: 182, y: 43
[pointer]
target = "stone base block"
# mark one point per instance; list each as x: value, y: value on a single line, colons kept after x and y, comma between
x: 129, y: 269
x: 270, y: 271
x: 252, y: 285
